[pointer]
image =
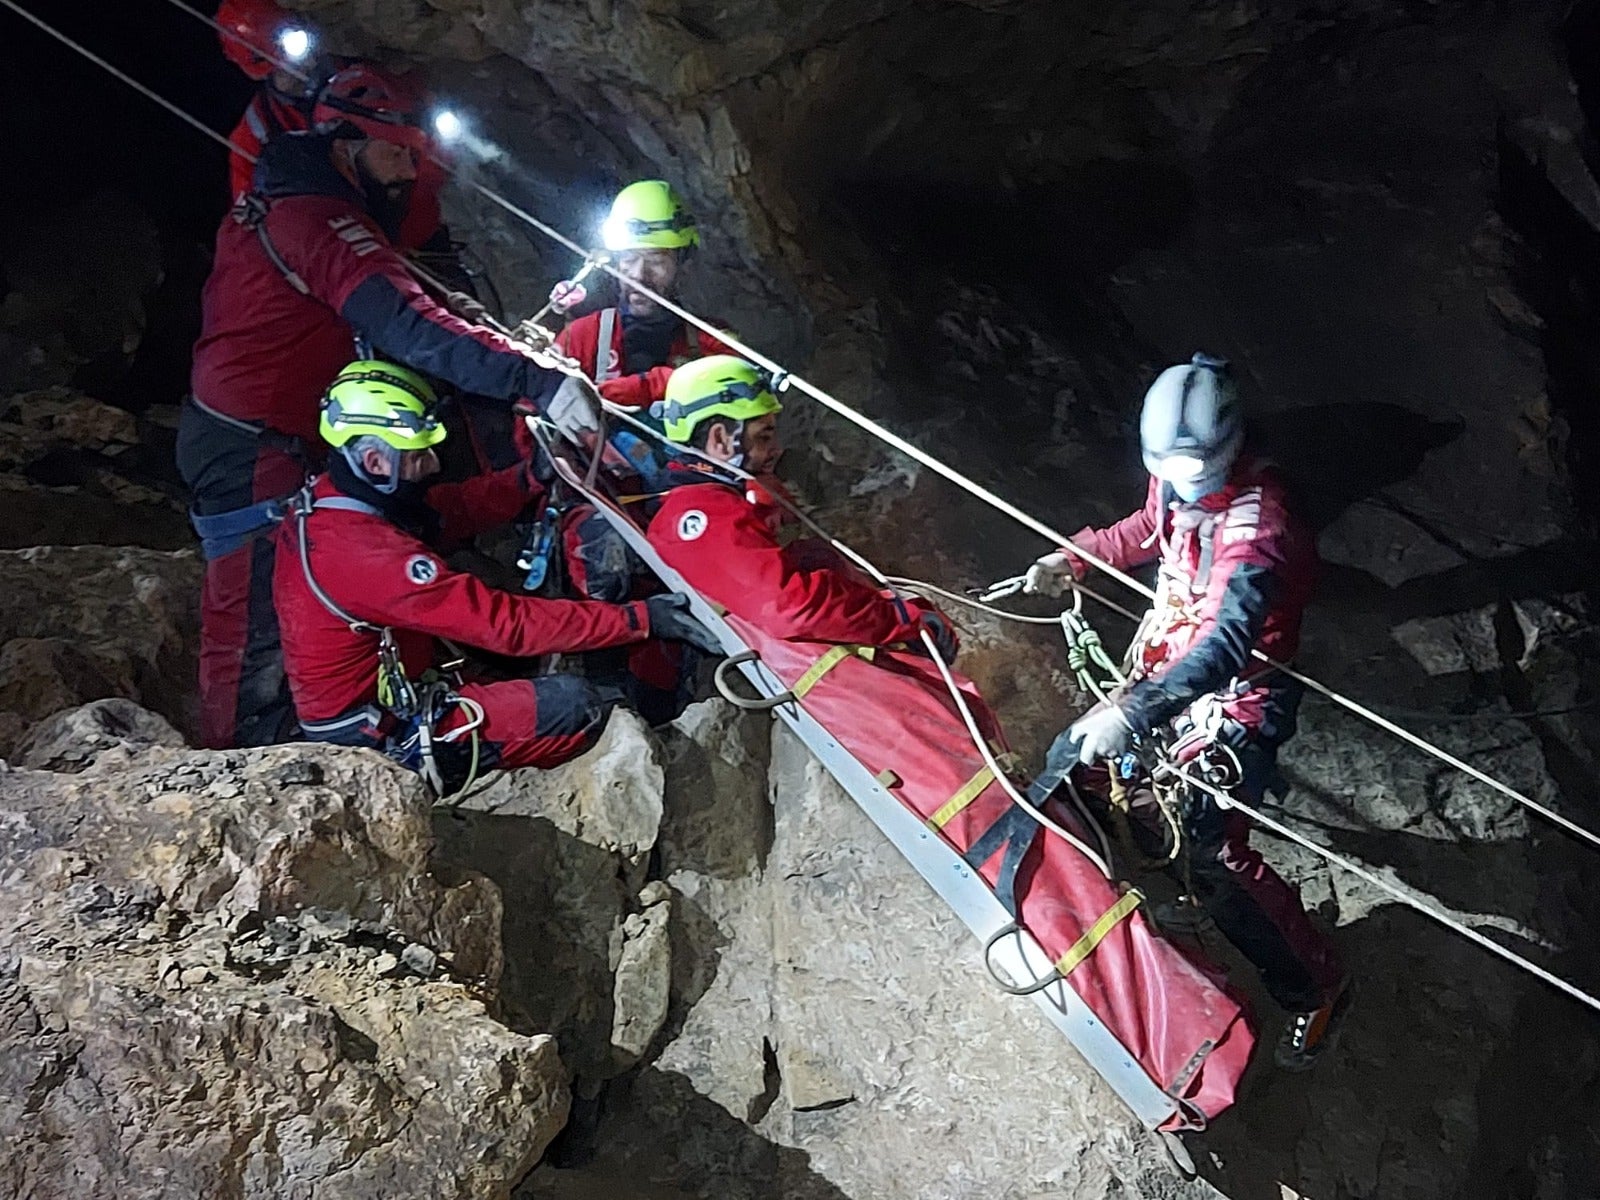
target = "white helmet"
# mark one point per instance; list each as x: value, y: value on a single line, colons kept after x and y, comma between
x: 1192, y: 427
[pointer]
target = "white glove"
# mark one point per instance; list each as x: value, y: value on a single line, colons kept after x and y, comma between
x: 1104, y: 733
x: 1049, y: 576
x: 573, y: 410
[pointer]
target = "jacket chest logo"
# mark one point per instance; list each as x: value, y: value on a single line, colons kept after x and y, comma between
x: 692, y: 524
x: 420, y: 569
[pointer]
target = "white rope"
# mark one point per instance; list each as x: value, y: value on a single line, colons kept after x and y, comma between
x: 1100, y: 861
x: 1227, y: 800
x: 890, y: 438
x: 977, y: 605
x: 234, y: 35
x: 1055, y: 537
x: 994, y: 501
x: 122, y: 75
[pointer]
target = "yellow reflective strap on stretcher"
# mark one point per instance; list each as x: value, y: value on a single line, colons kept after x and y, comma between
x: 828, y: 662
x: 1096, y: 933
x: 969, y: 792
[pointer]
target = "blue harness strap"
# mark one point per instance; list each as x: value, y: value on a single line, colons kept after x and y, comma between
x: 224, y: 532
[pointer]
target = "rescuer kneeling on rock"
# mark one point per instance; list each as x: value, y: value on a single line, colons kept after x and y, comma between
x: 363, y: 595
x: 1235, y: 574
x: 719, y: 530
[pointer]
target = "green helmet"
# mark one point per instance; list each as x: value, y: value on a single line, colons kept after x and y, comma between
x: 649, y: 215
x: 384, y: 400
x: 719, y: 385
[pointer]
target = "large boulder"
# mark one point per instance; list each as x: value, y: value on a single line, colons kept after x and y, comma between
x: 233, y: 974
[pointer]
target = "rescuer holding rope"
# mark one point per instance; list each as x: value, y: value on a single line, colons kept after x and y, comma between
x: 1235, y: 574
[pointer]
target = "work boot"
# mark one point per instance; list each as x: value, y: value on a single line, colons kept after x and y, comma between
x: 1183, y: 915
x: 1307, y: 1034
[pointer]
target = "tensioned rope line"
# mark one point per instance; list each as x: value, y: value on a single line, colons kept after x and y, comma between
x: 894, y: 440
x: 983, y: 749
x: 887, y: 436
x: 1332, y: 856
x: 1055, y: 537
x: 1401, y: 895
x: 1404, y: 897
x: 144, y: 91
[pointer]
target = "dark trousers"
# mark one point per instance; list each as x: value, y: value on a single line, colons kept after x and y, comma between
x: 1251, y: 903
x: 244, y: 694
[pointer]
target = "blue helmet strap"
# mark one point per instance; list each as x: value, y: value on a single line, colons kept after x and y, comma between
x: 386, y: 487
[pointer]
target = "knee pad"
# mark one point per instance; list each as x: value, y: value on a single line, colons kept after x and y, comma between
x: 569, y: 706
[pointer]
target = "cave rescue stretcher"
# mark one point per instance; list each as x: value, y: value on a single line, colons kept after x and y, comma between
x: 1157, y: 1026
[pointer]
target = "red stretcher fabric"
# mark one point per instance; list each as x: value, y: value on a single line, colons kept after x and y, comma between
x: 895, y: 713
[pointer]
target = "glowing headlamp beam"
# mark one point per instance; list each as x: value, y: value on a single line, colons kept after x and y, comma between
x: 447, y: 125
x: 295, y: 44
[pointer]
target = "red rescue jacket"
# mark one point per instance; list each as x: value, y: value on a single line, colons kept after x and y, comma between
x: 268, y: 114
x: 267, y: 350
x: 581, y: 340
x: 380, y: 574
x: 722, y: 538
x: 1236, y: 573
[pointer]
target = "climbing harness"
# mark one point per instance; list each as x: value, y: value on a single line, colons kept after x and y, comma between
x: 417, y: 705
x: 222, y: 533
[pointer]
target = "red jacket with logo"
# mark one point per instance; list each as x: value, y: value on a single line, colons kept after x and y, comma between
x: 1236, y: 573
x: 383, y: 575
x: 581, y: 340
x: 267, y: 351
x: 721, y: 536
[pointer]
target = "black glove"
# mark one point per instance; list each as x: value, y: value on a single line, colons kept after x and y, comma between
x: 944, y: 638
x: 670, y: 618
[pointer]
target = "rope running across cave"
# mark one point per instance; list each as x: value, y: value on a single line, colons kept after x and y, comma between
x: 785, y: 379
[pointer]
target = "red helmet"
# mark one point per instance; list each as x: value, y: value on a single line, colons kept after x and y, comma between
x: 378, y: 104
x: 252, y: 31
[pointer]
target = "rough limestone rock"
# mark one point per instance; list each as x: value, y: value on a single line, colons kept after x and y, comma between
x: 220, y: 974
x: 119, y: 622
x: 72, y: 739
x: 810, y: 1045
x: 568, y: 849
x: 75, y: 471
x: 1349, y: 779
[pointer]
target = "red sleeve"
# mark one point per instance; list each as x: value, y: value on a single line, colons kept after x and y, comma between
x: 483, y: 502
x: 347, y: 264
x: 638, y: 391
x: 1131, y: 542
x: 724, y: 549
x: 395, y: 580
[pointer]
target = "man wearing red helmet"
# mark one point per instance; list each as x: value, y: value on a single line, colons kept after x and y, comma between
x: 278, y: 48
x: 304, y: 266
x: 264, y: 40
